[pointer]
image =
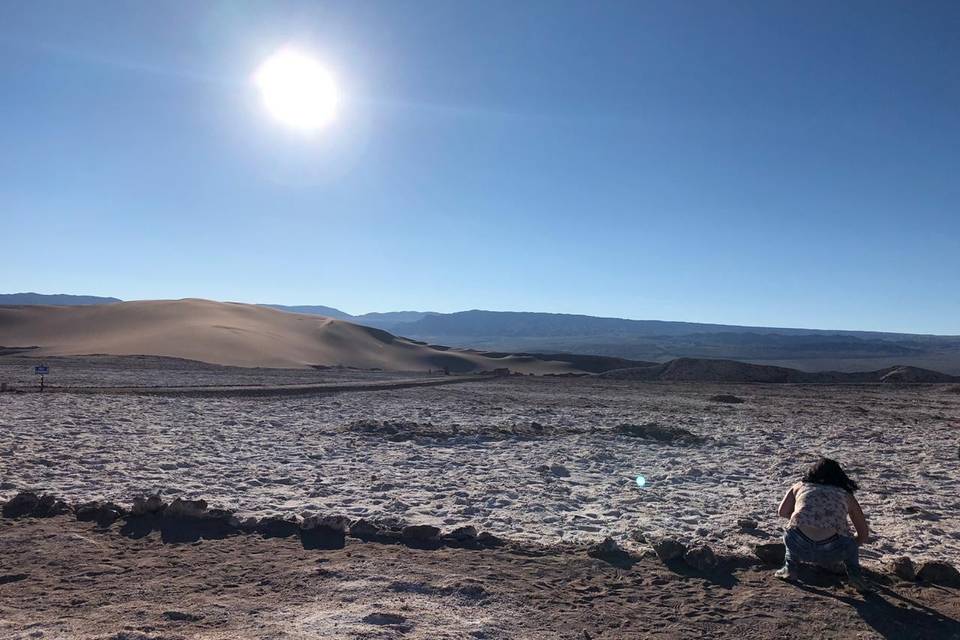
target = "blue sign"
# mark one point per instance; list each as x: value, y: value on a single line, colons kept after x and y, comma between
x: 41, y: 371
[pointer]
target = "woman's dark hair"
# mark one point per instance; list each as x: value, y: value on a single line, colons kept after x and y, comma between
x: 827, y: 471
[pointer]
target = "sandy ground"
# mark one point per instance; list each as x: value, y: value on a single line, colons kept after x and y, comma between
x: 69, y: 580
x: 532, y: 459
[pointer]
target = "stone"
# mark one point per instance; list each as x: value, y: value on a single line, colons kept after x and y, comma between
x: 487, y: 539
x: 771, y: 552
x: 277, y: 527
x: 50, y: 506
x: 668, y: 549
x: 337, y: 523
x: 420, y: 533
x: 608, y: 550
x: 150, y: 505
x: 463, y: 534
x: 225, y: 516
x: 364, y: 529
x: 182, y: 616
x: 181, y: 508
x: 939, y: 572
x: 103, y: 513
x: 21, y: 505
x: 903, y: 568
x: 559, y: 470
x: 250, y: 524
x: 701, y: 558
x: 382, y: 618
x: 727, y: 398
x: 747, y: 524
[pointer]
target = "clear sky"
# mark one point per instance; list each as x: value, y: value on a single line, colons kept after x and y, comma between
x: 764, y: 163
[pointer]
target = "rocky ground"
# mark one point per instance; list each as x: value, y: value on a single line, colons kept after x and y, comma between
x: 534, y: 459
x: 548, y: 464
x: 71, y: 580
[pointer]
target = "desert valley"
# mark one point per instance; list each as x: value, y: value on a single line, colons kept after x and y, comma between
x: 326, y: 479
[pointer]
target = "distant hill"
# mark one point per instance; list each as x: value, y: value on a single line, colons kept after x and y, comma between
x: 54, y: 299
x: 317, y: 310
x: 386, y: 320
x: 703, y: 370
x: 660, y: 341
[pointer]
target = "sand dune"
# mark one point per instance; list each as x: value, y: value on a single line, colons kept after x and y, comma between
x: 234, y: 334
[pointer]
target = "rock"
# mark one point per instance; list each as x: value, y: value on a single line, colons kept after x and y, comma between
x: 381, y: 618
x: 182, y: 616
x: 770, y: 553
x: 249, y: 525
x: 727, y: 398
x: 103, y: 513
x: 225, y: 516
x: 658, y: 433
x: 903, y: 568
x: 335, y: 523
x: 559, y: 470
x: 277, y: 527
x: 20, y: 505
x: 701, y: 558
x: 48, y: 506
x: 181, y: 508
x: 747, y: 524
x: 668, y: 549
x: 364, y: 529
x: 487, y: 539
x: 939, y: 572
x: 150, y: 505
x: 638, y: 536
x: 420, y: 533
x: 463, y: 534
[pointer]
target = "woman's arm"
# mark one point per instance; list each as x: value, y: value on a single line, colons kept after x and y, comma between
x: 787, y: 504
x: 859, y: 521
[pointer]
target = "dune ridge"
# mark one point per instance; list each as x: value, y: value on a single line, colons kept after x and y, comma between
x: 235, y: 334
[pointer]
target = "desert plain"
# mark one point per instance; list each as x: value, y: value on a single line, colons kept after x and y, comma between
x: 549, y: 466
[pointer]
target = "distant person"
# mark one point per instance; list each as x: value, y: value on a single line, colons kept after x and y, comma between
x: 818, y: 533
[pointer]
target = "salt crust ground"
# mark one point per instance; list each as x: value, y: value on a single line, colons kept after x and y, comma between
x: 305, y: 454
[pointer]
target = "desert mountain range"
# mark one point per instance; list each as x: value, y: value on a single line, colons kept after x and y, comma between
x: 653, y: 341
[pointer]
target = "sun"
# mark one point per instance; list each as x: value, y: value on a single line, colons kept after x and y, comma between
x: 297, y: 90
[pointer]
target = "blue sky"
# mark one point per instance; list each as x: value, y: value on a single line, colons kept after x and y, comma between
x: 764, y: 163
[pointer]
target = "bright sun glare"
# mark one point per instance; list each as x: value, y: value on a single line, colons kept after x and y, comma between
x: 296, y: 90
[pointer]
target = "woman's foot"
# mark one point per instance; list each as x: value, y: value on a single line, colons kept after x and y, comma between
x: 785, y: 573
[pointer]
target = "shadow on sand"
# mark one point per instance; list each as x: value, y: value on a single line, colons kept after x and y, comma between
x: 890, y: 614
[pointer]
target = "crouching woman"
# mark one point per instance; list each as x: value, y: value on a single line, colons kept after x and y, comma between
x: 818, y: 507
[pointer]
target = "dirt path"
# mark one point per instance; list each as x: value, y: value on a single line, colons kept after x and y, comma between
x: 252, y: 390
x: 60, y: 578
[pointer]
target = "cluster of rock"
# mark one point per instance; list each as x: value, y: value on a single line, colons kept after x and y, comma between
x: 223, y: 522
x: 702, y: 558
x: 931, y: 571
x: 659, y: 433
x: 406, y: 430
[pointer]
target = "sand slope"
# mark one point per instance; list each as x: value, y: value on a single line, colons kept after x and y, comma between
x: 233, y: 334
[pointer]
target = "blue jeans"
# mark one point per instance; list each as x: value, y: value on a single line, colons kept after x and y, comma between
x: 834, y: 549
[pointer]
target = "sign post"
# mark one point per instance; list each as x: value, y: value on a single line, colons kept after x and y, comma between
x: 42, y: 371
